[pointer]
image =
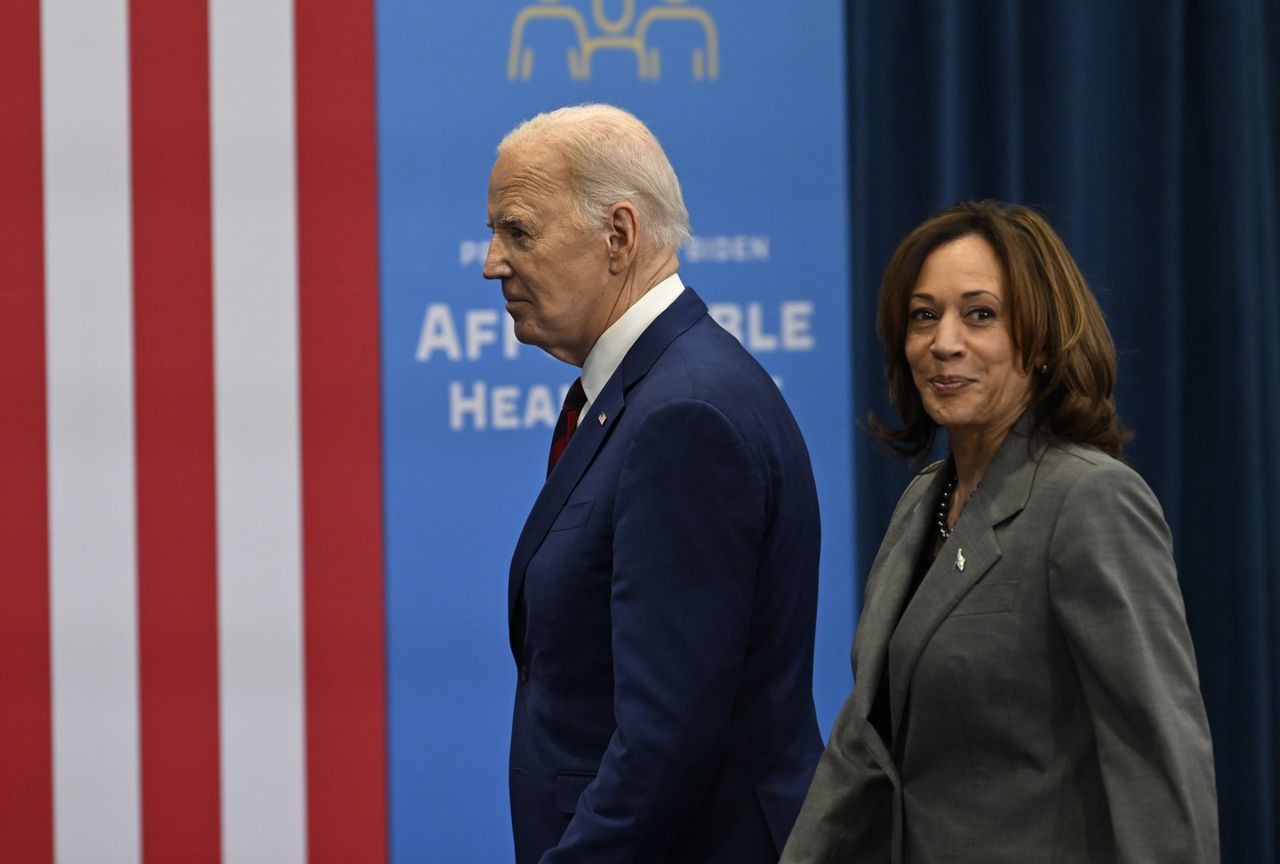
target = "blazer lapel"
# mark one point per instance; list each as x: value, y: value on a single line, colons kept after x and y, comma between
x: 888, y: 585
x: 591, y: 434
x: 887, y: 588
x: 966, y: 556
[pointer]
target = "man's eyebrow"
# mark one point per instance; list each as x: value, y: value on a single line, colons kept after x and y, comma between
x: 507, y: 220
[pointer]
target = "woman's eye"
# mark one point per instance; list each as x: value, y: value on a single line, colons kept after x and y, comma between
x: 982, y: 313
x: 920, y: 314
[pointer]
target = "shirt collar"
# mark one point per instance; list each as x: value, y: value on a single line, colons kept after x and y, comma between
x: 606, y: 355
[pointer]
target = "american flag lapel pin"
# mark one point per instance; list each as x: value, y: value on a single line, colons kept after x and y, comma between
x: 602, y: 417
x: 960, y: 560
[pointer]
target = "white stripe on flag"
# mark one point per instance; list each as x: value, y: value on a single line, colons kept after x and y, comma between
x: 256, y: 362
x: 93, y: 553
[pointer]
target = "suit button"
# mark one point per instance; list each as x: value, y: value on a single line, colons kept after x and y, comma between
x: 524, y: 673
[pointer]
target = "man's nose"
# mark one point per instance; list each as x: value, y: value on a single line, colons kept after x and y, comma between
x: 495, y: 262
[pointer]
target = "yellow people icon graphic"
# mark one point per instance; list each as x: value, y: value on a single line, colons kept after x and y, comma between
x: 674, y: 13
x: 568, y: 24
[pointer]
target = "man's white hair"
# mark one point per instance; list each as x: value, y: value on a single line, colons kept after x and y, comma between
x: 612, y: 157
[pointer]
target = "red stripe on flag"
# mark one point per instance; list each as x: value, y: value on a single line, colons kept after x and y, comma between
x: 174, y: 404
x: 26, y: 743
x: 341, y: 439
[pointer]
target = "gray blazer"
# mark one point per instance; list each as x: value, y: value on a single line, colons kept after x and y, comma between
x: 1043, y: 693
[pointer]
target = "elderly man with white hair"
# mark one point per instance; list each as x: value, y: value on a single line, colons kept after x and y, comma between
x: 663, y: 592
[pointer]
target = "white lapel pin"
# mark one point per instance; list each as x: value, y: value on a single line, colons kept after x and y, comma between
x: 602, y: 418
x: 960, y: 560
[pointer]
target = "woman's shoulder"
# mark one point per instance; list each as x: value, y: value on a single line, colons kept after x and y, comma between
x: 1067, y: 466
x: 1099, y: 506
x: 1082, y: 458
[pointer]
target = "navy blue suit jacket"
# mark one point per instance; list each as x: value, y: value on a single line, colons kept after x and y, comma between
x: 662, y: 604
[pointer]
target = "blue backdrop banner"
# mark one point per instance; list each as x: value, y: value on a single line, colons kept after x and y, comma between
x: 748, y: 100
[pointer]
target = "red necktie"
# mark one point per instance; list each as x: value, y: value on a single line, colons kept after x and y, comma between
x: 573, y: 402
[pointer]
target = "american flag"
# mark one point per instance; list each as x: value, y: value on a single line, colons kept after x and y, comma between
x: 191, y: 595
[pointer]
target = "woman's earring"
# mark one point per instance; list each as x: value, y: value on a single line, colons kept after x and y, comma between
x: 1044, y: 370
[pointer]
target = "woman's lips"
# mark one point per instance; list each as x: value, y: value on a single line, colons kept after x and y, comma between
x: 944, y: 384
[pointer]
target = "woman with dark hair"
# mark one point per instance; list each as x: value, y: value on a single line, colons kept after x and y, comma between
x: 1026, y: 688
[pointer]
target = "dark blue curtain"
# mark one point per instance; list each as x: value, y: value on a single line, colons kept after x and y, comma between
x: 1149, y: 135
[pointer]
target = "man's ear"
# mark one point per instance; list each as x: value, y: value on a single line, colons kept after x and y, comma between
x: 624, y: 229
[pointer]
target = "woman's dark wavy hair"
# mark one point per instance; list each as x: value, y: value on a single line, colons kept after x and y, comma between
x: 1053, y: 317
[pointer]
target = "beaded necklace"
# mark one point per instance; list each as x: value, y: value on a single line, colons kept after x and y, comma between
x: 944, y: 504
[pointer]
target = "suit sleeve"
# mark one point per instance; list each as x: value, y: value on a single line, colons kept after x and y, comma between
x: 690, y: 516
x: 1114, y: 592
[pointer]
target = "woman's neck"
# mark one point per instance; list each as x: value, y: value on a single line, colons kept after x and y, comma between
x: 972, y: 451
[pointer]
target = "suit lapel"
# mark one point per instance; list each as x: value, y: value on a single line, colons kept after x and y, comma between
x: 888, y: 585
x: 970, y: 551
x: 887, y: 589
x: 591, y: 434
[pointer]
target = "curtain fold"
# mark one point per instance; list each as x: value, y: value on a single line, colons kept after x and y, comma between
x: 1148, y: 133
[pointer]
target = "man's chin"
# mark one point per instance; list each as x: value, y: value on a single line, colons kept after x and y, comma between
x: 526, y: 334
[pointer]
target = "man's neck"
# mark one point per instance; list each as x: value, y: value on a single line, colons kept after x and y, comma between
x: 637, y: 281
